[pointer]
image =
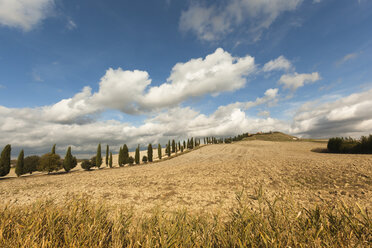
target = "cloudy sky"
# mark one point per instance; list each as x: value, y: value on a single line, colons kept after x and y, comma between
x: 82, y: 72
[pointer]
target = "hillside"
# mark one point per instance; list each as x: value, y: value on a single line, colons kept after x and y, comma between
x: 272, y: 136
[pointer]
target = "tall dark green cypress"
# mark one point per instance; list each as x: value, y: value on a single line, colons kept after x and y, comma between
x: 19, y: 170
x: 107, y: 155
x: 149, y: 153
x: 159, y: 151
x: 110, y: 160
x: 173, y: 146
x: 188, y: 144
x: 184, y: 145
x: 120, y: 157
x: 192, y: 143
x: 5, y: 161
x: 125, y: 154
x: 68, y: 161
x: 169, y: 149
x: 179, y: 145
x: 99, y: 156
x: 137, y: 155
x: 54, y: 149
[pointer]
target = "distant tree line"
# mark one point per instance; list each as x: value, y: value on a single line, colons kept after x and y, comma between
x: 350, y: 145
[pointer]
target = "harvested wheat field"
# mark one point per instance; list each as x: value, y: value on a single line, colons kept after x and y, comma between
x: 207, y: 179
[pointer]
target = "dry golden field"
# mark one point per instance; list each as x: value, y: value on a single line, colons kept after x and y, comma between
x: 208, y: 178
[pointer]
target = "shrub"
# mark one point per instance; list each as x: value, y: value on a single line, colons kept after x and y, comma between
x: 93, y: 161
x: 50, y: 162
x: 5, y: 161
x: 86, y: 165
x: 334, y: 145
x: 144, y: 159
x: 350, y: 145
x: 31, y: 163
x: 130, y: 160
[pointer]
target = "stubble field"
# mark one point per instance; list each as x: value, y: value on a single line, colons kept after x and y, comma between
x: 208, y: 179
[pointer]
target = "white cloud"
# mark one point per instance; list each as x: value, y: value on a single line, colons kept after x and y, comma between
x: 218, y: 72
x: 281, y: 63
x: 24, y: 14
x: 25, y: 129
x: 131, y: 91
x: 295, y: 81
x: 347, y: 116
x: 213, y: 22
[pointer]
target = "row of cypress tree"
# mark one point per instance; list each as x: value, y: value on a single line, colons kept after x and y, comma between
x: 50, y: 162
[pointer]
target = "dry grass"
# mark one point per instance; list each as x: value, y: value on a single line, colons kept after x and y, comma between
x: 208, y: 178
x: 81, y: 223
x: 304, y: 204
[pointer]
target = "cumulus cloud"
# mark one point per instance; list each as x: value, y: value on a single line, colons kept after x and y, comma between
x: 213, y: 22
x: 295, y: 81
x: 131, y: 91
x: 278, y: 64
x: 218, y: 72
x: 25, y: 129
x: 348, y: 116
x: 24, y: 14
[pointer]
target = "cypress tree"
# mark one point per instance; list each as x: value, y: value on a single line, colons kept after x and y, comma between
x: 159, y: 151
x: 120, y: 158
x: 54, y: 149
x: 149, y: 153
x: 110, y: 161
x: 68, y: 161
x: 181, y: 148
x: 137, y: 155
x: 99, y: 156
x: 5, y: 161
x: 179, y: 145
x: 192, y: 143
x: 19, y: 170
x: 125, y: 154
x: 173, y: 146
x: 188, y: 144
x: 107, y: 155
x: 169, y: 149
x: 184, y: 144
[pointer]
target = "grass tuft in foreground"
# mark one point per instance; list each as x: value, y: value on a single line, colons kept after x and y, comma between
x: 82, y: 223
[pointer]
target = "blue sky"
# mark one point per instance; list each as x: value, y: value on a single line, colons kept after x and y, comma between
x: 82, y: 72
